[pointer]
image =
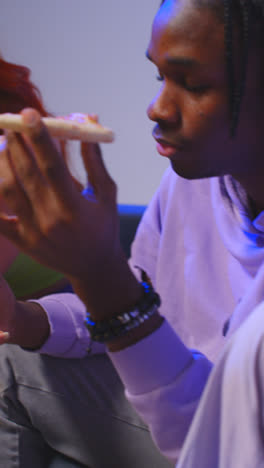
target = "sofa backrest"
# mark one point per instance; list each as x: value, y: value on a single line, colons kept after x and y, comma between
x: 129, y: 216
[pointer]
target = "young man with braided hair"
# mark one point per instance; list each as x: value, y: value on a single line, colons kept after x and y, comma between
x: 201, y: 241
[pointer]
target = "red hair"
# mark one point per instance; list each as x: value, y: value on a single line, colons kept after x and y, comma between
x: 15, y: 83
x: 17, y: 91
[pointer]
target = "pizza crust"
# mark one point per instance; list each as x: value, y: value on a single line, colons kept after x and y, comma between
x: 76, y: 126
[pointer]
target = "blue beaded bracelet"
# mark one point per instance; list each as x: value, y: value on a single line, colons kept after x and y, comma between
x: 107, y: 330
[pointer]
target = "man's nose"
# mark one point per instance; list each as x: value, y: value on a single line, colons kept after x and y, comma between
x: 163, y: 108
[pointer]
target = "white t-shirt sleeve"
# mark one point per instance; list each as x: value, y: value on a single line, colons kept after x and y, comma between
x: 69, y: 337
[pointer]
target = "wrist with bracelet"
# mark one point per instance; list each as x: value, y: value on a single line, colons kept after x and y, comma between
x: 108, y: 330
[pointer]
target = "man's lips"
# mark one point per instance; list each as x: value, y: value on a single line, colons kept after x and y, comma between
x: 166, y: 149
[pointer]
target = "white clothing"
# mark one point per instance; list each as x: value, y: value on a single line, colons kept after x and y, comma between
x: 208, y: 265
x: 228, y: 427
x: 204, y: 256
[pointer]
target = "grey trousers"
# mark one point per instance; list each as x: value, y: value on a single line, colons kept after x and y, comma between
x: 74, y: 406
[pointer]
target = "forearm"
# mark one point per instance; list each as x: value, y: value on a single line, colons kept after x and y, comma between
x: 116, y: 290
x: 125, y: 294
x: 30, y: 326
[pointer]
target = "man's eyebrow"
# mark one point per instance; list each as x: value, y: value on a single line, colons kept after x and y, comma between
x: 182, y: 61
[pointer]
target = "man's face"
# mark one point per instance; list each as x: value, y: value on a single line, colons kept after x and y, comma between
x: 191, y: 109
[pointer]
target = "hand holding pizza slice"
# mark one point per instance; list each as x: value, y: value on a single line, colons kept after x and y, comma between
x: 56, y: 225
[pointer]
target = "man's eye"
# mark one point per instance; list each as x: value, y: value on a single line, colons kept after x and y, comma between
x: 196, y: 88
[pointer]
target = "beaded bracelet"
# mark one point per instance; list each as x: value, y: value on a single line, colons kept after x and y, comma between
x: 107, y: 330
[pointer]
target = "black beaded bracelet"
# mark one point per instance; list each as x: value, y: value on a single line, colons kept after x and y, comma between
x: 107, y: 330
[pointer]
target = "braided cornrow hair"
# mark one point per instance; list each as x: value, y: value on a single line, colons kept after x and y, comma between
x: 246, y: 14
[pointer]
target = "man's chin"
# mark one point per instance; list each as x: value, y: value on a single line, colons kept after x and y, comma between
x: 191, y: 172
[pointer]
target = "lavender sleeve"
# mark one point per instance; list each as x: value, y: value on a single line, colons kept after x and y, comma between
x: 69, y: 338
x: 164, y: 381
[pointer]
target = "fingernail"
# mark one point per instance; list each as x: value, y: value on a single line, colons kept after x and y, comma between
x: 30, y: 118
x: 4, y: 336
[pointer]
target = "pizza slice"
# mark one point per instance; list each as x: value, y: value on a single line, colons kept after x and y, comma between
x: 75, y: 126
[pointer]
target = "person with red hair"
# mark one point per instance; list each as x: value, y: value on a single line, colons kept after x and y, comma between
x: 60, y: 396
